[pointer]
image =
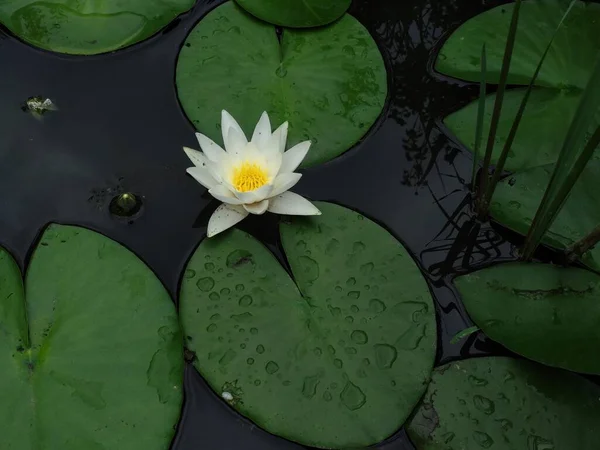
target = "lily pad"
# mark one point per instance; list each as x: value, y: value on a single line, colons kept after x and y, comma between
x: 92, y: 358
x: 565, y: 73
x: 541, y: 133
x: 329, y: 83
x: 337, y: 360
x: 517, y: 198
x: 296, y: 13
x: 88, y: 27
x: 568, y: 64
x: 546, y: 313
x: 506, y: 404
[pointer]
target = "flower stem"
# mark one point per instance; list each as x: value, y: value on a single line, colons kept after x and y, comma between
x: 576, y: 250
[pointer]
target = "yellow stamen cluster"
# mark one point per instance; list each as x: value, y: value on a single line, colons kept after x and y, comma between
x: 248, y: 177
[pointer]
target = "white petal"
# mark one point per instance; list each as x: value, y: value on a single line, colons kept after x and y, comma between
x: 262, y: 132
x: 225, y: 216
x: 278, y: 139
x: 272, y: 145
x: 257, y: 208
x: 196, y: 157
x: 292, y: 204
x: 256, y: 195
x: 294, y: 156
x: 284, y: 182
x: 202, y: 175
x: 229, y: 123
x: 283, y: 132
x: 273, y: 163
x: 236, y: 142
x: 212, y: 151
x: 220, y: 192
x: 252, y: 153
x: 215, y: 170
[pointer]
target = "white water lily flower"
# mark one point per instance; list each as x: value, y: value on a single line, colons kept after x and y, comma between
x: 249, y: 177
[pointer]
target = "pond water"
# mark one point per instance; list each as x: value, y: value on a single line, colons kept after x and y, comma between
x: 120, y: 128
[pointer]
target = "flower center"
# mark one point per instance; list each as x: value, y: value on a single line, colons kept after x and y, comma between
x: 248, y: 177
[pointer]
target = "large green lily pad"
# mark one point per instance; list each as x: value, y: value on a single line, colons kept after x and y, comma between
x: 563, y: 76
x: 541, y: 132
x: 517, y: 198
x: 87, y: 27
x: 92, y: 359
x: 329, y: 83
x: 337, y: 360
x: 506, y: 404
x: 546, y: 313
x: 568, y: 64
x: 296, y: 13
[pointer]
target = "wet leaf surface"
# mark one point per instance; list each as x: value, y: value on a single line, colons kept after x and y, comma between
x: 564, y: 74
x: 506, y: 404
x: 339, y: 361
x: 329, y: 83
x: 541, y: 131
x: 567, y: 66
x: 88, y: 27
x: 296, y: 13
x: 518, y: 196
x: 93, y: 357
x: 546, y: 313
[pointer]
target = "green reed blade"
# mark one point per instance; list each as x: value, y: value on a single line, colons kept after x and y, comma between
x: 564, y: 189
x: 515, y: 125
x: 508, y: 51
x: 480, y: 115
x: 570, y: 164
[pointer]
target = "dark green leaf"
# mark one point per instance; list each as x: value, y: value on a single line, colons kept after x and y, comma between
x: 541, y: 131
x: 296, y: 13
x: 480, y: 116
x: 339, y: 361
x: 517, y: 199
x: 499, y: 169
x: 498, y: 101
x: 90, y: 26
x: 506, y: 404
x: 568, y: 64
x: 329, y: 83
x: 543, y: 312
x: 92, y: 358
x: 572, y: 159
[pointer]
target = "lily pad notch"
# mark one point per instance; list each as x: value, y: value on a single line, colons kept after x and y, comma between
x: 97, y: 344
x: 329, y: 83
x: 337, y: 357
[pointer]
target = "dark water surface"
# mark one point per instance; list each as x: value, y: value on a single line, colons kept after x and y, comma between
x: 120, y: 128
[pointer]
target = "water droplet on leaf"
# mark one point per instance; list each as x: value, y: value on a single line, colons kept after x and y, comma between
x: 309, y: 268
x: 309, y: 387
x: 359, y: 337
x: 205, y: 284
x: 484, y: 440
x: 385, y: 355
x: 246, y: 300
x: 352, y: 396
x: 271, y: 367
